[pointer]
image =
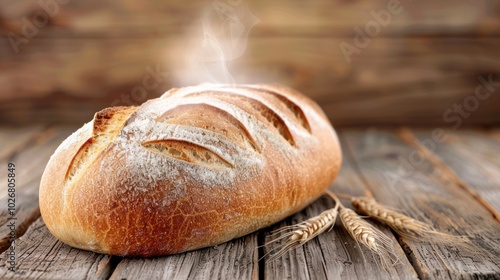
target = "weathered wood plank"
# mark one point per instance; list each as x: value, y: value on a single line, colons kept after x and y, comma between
x: 38, y: 253
x: 30, y: 160
x: 334, y: 254
x: 377, y: 163
x: 236, y: 259
x: 472, y: 159
x: 388, y: 82
x: 494, y: 134
x: 285, y: 18
x: 105, y: 47
x: 386, y: 63
x: 41, y: 256
x: 11, y: 139
x: 401, y: 177
x: 26, y: 213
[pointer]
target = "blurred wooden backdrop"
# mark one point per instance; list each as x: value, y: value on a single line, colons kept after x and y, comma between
x: 87, y: 55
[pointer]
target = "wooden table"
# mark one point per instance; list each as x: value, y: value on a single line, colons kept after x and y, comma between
x: 453, y: 184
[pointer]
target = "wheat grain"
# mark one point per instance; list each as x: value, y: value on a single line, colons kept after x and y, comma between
x: 301, y: 233
x: 369, y: 236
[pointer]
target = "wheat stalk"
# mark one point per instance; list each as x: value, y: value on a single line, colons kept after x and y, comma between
x: 369, y: 236
x: 301, y: 233
x: 358, y: 228
x: 402, y: 224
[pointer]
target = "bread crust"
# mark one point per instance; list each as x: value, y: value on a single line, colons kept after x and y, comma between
x: 194, y: 168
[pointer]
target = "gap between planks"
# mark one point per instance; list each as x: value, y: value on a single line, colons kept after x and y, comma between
x: 27, y: 137
x: 433, y: 192
x: 448, y: 174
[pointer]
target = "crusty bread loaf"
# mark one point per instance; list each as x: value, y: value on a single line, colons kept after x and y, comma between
x: 194, y: 168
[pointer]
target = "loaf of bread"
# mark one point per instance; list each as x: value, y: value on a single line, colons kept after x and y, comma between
x: 193, y: 168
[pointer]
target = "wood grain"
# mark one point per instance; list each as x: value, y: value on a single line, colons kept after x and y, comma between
x: 392, y: 81
x: 93, y: 54
x: 420, y: 192
x: 236, y: 259
x: 30, y: 159
x: 41, y: 256
x: 11, y: 139
x: 376, y: 161
x: 29, y: 169
x: 134, y: 18
x: 469, y: 154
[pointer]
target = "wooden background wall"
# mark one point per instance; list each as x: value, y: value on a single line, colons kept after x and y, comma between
x: 88, y: 54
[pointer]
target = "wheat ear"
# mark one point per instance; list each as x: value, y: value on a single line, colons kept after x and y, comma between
x: 369, y: 236
x: 301, y: 233
x: 402, y: 224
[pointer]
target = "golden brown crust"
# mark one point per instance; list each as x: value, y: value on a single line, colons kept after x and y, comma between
x: 194, y: 168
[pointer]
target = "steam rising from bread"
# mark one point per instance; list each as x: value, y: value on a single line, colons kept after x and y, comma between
x: 225, y: 28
